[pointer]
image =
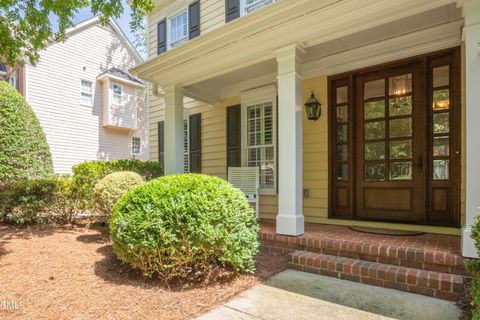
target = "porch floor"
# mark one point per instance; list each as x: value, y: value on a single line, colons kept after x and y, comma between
x: 431, y: 242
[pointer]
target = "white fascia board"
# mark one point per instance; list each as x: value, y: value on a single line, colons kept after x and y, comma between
x: 106, y: 76
x: 253, y: 38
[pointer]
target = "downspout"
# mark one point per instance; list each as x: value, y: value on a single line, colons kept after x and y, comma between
x: 155, y: 91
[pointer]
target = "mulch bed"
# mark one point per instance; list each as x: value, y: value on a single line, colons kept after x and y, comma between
x: 71, y: 273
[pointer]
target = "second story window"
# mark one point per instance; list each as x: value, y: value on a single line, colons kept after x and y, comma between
x: 252, y: 5
x: 178, y: 29
x: 117, y: 91
x: 86, y: 96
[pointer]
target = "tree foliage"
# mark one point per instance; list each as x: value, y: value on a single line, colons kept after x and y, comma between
x: 28, y: 26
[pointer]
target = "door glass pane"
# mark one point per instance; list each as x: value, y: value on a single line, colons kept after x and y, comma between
x: 441, y: 146
x: 440, y: 170
x: 441, y: 123
x: 375, y: 151
x: 342, y: 114
x: 401, y: 170
x: 342, y: 152
x: 374, y: 109
x: 400, y: 106
x: 375, y: 130
x: 374, y: 89
x: 374, y: 171
x: 401, y: 149
x: 441, y: 76
x: 441, y: 100
x: 341, y: 172
x: 401, y: 128
x: 342, y: 95
x: 400, y: 85
x: 341, y: 133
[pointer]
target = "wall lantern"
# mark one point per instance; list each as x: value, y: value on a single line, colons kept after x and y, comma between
x: 313, y: 108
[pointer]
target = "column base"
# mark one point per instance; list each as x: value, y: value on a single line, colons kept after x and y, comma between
x: 468, y: 245
x: 290, y: 225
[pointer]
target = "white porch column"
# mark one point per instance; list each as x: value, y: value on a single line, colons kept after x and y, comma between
x: 471, y: 34
x: 173, y: 130
x: 290, y: 220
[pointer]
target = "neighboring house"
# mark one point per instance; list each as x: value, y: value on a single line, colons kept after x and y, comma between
x: 15, y: 76
x: 396, y: 144
x: 88, y: 105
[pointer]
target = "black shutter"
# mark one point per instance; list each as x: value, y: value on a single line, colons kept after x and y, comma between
x: 195, y: 143
x: 162, y: 36
x: 234, y: 139
x: 161, y: 145
x: 194, y: 20
x: 232, y: 10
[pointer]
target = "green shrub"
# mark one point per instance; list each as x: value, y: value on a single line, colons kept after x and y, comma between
x: 22, y: 202
x: 182, y: 226
x: 24, y: 151
x: 110, y: 189
x: 87, y: 174
x: 65, y: 203
x: 474, y: 267
x: 35, y: 201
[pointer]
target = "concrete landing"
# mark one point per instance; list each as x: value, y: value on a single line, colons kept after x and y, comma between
x: 301, y: 296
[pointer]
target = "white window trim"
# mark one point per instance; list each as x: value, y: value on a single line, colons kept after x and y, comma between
x: 243, y: 7
x: 168, y: 27
x: 139, y: 147
x: 113, y: 94
x: 267, y: 94
x: 90, y: 93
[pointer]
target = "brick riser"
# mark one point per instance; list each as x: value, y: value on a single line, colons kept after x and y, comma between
x: 440, y: 261
x: 430, y: 283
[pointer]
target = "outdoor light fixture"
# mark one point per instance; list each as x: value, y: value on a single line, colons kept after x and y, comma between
x: 312, y: 107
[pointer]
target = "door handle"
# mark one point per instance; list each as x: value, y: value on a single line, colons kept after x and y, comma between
x: 419, y: 163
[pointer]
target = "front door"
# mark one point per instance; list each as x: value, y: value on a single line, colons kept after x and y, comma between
x: 390, y: 130
x: 395, y: 142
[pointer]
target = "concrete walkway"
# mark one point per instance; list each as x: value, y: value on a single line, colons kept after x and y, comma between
x: 301, y: 296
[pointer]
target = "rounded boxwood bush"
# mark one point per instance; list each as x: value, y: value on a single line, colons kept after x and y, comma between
x: 185, y: 225
x: 24, y: 151
x: 111, y: 188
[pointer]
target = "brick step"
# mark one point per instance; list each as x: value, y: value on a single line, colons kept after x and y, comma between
x: 430, y: 283
x: 388, y: 253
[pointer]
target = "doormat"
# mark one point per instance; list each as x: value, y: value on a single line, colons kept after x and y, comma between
x: 387, y: 232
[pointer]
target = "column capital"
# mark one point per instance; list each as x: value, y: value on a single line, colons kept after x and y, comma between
x: 174, y: 89
x: 289, y: 59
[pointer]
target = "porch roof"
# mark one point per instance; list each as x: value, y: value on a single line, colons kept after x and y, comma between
x: 313, y: 24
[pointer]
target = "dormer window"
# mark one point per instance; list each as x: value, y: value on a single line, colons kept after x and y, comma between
x: 178, y: 29
x: 117, y: 90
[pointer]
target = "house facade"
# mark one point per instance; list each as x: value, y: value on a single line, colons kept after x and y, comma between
x: 396, y: 143
x: 88, y: 104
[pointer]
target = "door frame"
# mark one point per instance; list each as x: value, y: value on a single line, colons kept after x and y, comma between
x: 427, y: 61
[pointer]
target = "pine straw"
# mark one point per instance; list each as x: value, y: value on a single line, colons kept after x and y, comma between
x: 71, y: 273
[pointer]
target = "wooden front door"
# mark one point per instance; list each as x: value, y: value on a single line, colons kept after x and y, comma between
x: 390, y: 130
x: 395, y: 141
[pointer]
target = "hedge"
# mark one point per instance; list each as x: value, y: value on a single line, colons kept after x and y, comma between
x: 24, y: 151
x: 87, y: 174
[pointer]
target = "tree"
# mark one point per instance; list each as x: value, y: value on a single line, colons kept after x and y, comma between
x: 26, y: 25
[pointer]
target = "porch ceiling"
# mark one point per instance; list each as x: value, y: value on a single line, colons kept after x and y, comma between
x: 243, y: 50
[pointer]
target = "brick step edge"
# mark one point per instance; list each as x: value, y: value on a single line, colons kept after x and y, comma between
x: 430, y: 283
x: 436, y: 260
